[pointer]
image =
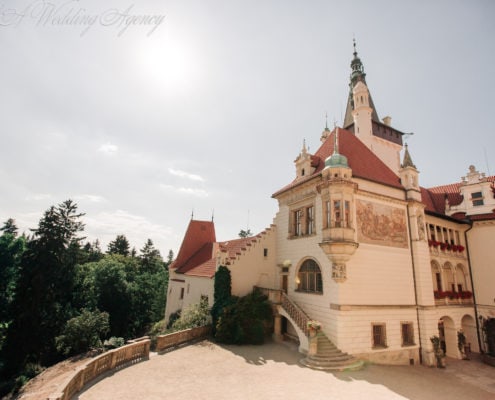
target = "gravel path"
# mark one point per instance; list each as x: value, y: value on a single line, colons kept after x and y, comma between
x: 208, y: 371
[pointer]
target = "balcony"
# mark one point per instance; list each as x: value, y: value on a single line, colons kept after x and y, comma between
x: 445, y: 249
x: 449, y: 298
x: 338, y: 242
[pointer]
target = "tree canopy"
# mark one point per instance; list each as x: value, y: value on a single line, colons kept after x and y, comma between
x: 60, y: 296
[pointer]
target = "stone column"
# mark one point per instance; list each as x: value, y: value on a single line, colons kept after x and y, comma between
x: 277, y: 329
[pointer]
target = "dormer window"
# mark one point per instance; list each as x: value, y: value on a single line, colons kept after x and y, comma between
x: 477, y: 199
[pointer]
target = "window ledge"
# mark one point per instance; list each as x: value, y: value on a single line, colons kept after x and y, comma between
x: 290, y: 237
x: 306, y: 292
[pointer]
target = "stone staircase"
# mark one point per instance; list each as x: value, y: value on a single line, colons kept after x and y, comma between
x: 323, y: 354
x: 329, y: 357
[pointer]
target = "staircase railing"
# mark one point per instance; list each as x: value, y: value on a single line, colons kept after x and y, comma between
x: 296, y: 313
x: 279, y: 297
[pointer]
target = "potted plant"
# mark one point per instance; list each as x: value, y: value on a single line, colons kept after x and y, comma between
x: 462, y: 345
x: 314, y: 327
x: 439, y: 355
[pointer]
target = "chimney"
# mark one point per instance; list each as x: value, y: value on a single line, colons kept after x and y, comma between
x: 387, y: 120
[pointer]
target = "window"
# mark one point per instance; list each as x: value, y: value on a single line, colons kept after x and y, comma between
x: 310, y: 220
x: 303, y: 221
x: 378, y: 336
x: 309, y: 277
x: 297, y: 223
x: 265, y: 252
x: 347, y: 214
x: 337, y: 213
x: 477, y: 198
x: 438, y: 277
x: 181, y: 293
x: 328, y: 214
x: 407, y: 333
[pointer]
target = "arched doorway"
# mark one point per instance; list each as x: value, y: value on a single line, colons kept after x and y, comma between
x: 469, y: 328
x: 448, y: 336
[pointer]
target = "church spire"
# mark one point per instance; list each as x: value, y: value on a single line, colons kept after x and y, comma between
x: 357, y: 75
x: 407, y: 159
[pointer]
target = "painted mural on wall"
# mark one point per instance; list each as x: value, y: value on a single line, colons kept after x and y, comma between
x: 381, y: 224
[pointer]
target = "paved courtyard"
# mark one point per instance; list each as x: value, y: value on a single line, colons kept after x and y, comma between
x: 206, y: 370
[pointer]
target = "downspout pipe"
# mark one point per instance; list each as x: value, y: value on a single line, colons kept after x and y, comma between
x: 472, y: 286
x: 415, y: 285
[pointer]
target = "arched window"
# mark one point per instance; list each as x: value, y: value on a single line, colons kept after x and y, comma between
x: 309, y: 278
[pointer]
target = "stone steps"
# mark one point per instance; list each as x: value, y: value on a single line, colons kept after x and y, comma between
x: 329, y: 357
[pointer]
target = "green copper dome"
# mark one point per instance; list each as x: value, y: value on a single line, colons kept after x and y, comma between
x: 336, y: 160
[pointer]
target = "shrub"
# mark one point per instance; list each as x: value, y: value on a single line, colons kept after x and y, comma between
x: 114, y: 342
x: 243, y: 321
x: 172, y: 318
x: 83, y: 332
x: 194, y: 316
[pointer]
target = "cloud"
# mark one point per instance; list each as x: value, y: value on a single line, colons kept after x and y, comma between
x: 185, y: 190
x: 183, y: 174
x: 94, y: 198
x: 108, y: 148
x: 38, y: 196
x: 106, y: 225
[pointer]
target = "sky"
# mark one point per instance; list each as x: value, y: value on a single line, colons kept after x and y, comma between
x: 146, y: 112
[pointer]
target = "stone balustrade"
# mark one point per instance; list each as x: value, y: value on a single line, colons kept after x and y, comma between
x: 164, y: 342
x: 123, y: 356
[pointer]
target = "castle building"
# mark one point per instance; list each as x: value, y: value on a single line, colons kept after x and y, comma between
x: 358, y: 245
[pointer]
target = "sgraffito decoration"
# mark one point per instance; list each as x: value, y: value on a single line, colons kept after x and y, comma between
x: 380, y: 224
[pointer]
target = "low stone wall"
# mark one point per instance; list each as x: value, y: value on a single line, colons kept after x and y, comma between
x: 164, y: 342
x: 488, y: 359
x: 125, y: 355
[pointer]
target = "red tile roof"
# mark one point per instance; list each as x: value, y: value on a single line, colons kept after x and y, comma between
x: 202, y: 260
x: 198, y: 234
x: 434, y: 199
x: 363, y: 162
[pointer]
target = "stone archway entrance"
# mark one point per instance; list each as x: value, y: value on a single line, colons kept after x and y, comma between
x: 448, y: 336
x: 469, y: 328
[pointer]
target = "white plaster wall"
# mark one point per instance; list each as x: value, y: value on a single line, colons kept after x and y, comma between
x: 252, y: 268
x: 355, y: 329
x: 481, y: 240
x: 174, y: 302
x: 195, y: 288
x: 378, y: 275
x: 388, y: 152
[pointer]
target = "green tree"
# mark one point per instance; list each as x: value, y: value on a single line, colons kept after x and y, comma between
x: 170, y: 259
x: 150, y: 258
x: 245, y: 233
x: 42, y: 300
x: 9, y: 227
x: 92, y: 252
x: 82, y: 333
x: 119, y: 246
x: 222, y: 293
x: 11, y: 250
x: 110, y: 292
